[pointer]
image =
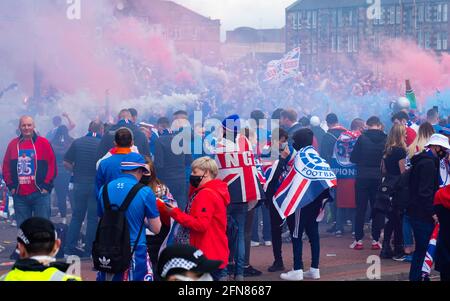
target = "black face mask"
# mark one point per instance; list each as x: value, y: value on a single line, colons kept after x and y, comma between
x: 195, y: 180
x: 441, y: 154
x: 145, y: 180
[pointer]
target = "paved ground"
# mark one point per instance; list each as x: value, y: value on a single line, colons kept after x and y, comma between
x: 337, y: 261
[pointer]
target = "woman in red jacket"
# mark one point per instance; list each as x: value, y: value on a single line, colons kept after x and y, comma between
x: 204, y: 222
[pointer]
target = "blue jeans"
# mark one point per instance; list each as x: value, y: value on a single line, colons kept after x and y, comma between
x: 237, y: 213
x: 84, y: 202
x: 62, y: 190
x: 408, y: 239
x: 422, y: 233
x: 267, y: 236
x: 33, y: 205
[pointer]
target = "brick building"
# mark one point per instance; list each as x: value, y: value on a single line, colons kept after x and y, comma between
x: 191, y: 33
x: 328, y: 29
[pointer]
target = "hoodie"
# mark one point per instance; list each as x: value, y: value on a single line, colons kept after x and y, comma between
x: 424, y: 183
x: 368, y: 153
x: 207, y: 219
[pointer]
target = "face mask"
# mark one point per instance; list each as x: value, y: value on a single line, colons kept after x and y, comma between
x: 145, y: 180
x: 195, y: 180
x: 441, y: 154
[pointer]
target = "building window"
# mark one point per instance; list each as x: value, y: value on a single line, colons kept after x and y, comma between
x: 349, y: 43
x: 420, y: 13
x: 439, y: 13
x: 444, y: 41
x: 428, y: 13
x: 355, y: 43
x: 427, y: 40
x: 339, y: 43
x: 381, y: 21
x: 438, y: 41
x: 444, y: 12
x: 333, y: 43
x: 420, y: 39
x: 398, y: 14
x: 314, y: 19
x: 294, y: 21
x: 340, y: 19
x: 308, y: 19
x: 333, y: 18
x: 391, y: 15
x: 314, y: 44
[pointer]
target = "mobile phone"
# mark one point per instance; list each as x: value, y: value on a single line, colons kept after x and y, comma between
x: 436, y: 108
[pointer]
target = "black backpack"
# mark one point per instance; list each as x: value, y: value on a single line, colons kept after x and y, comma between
x: 111, y: 250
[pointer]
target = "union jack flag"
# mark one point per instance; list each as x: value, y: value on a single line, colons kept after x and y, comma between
x: 429, y: 257
x: 237, y: 167
x: 285, y: 68
x: 308, y: 178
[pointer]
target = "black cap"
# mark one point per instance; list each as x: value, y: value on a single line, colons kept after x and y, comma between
x: 36, y: 230
x: 180, y: 258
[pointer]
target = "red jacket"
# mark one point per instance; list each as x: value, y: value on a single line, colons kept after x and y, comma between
x: 44, y: 163
x: 207, y: 220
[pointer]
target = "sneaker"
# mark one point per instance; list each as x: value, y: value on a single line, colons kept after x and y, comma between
x: 357, y: 245
x: 338, y: 233
x: 400, y: 258
x: 349, y: 222
x: 268, y: 243
x: 254, y: 244
x: 292, y: 275
x: 14, y: 223
x: 312, y: 274
x: 376, y: 245
x: 386, y: 253
x: 408, y: 258
x: 276, y: 267
x: 230, y: 269
x: 238, y: 278
x: 251, y: 272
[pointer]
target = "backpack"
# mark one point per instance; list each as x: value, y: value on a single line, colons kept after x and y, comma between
x: 111, y: 250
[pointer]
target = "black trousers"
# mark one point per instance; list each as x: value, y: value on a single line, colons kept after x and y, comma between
x: 394, y: 226
x: 366, y: 190
x: 276, y: 230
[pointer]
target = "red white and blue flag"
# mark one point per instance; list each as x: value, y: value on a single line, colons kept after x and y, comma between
x: 308, y: 178
x: 429, y: 256
x: 287, y: 67
x: 237, y: 167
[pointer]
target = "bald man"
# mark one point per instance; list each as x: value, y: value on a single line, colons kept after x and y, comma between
x: 29, y: 168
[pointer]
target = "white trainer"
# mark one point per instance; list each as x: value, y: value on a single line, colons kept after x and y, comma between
x: 312, y: 274
x: 268, y: 243
x: 296, y: 275
x: 254, y: 243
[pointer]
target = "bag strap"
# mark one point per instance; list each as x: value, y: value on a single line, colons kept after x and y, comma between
x: 139, y: 236
x: 130, y: 196
x: 106, y: 202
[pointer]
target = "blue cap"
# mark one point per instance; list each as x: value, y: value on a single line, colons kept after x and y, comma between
x: 232, y: 123
x: 134, y: 161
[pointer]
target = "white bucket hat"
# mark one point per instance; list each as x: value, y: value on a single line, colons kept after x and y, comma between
x: 438, y: 139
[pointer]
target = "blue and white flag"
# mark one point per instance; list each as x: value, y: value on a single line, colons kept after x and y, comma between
x: 308, y: 178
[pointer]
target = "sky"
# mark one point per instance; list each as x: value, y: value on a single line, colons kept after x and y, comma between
x: 237, y: 13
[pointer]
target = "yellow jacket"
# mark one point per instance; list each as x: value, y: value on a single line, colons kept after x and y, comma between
x: 33, y: 270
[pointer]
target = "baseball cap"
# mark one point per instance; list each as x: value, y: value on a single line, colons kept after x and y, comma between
x: 36, y: 230
x: 134, y: 161
x: 180, y: 258
x: 440, y: 140
x: 232, y: 123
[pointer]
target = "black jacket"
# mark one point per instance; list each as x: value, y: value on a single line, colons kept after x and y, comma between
x: 367, y: 154
x: 291, y: 131
x: 319, y: 133
x: 170, y: 166
x: 424, y: 183
x: 326, y: 148
x: 140, y: 141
